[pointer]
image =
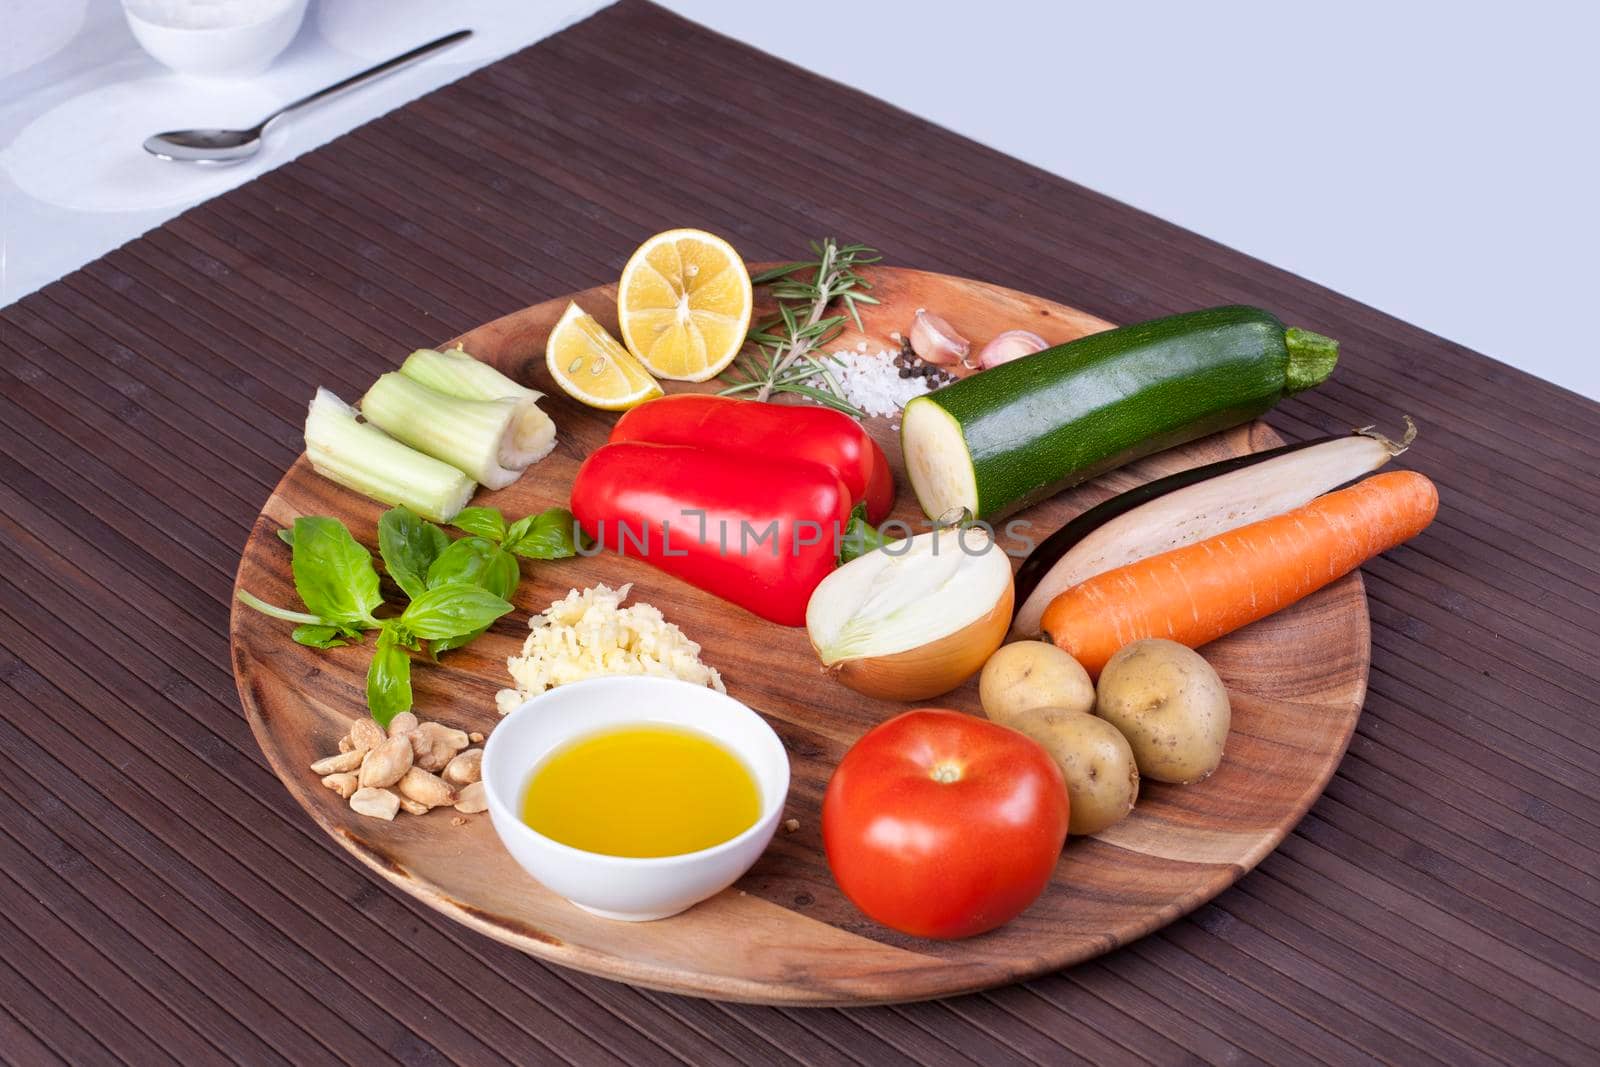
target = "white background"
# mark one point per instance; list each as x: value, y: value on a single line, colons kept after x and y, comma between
x: 1436, y: 160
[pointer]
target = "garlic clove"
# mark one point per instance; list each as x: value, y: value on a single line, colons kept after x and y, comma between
x: 1013, y: 344
x: 936, y: 341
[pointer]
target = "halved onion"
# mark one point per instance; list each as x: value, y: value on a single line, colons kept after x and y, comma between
x: 915, y: 618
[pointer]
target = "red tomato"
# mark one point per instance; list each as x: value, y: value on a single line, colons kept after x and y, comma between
x: 944, y: 825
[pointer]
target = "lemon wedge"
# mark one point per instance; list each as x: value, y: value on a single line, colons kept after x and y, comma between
x: 590, y: 366
x: 684, y: 304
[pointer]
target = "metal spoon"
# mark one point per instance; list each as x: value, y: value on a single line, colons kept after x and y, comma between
x: 235, y: 146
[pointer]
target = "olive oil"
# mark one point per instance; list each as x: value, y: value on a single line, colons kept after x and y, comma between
x: 642, y: 791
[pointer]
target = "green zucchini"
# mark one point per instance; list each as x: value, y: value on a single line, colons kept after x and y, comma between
x: 1020, y: 432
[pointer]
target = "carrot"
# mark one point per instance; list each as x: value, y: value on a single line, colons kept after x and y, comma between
x: 1199, y: 592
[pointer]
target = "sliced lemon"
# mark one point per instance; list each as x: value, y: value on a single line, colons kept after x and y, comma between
x: 684, y: 304
x: 591, y: 366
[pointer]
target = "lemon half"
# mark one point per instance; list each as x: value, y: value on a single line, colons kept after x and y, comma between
x: 684, y: 304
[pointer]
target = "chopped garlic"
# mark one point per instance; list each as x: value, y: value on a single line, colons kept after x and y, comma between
x: 588, y: 634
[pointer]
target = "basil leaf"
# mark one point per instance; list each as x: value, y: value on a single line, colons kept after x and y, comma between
x: 286, y: 535
x: 452, y: 609
x: 445, y: 644
x: 477, y: 562
x: 499, y: 574
x: 517, y: 531
x: 552, y: 534
x: 409, y: 546
x: 333, y: 573
x: 484, y: 522
x: 318, y: 636
x: 388, y: 678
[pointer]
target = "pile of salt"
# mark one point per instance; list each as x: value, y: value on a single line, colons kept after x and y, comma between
x: 871, y: 383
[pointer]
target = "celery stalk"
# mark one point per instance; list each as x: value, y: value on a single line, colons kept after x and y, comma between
x: 364, y: 458
x: 456, y: 372
x: 493, y: 441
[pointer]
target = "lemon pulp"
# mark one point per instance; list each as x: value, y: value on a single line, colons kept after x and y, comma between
x: 684, y: 304
x: 589, y: 365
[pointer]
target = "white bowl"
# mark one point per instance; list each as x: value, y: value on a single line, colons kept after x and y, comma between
x: 620, y: 887
x: 223, y: 50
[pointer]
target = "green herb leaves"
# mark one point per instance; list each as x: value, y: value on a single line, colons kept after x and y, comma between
x: 476, y: 561
x: 551, y: 534
x: 473, y: 561
x: 334, y: 575
x: 409, y: 546
x: 389, y: 677
x: 488, y: 558
x: 319, y: 635
x: 485, y: 522
x: 457, y: 589
x: 452, y: 609
x: 789, y: 350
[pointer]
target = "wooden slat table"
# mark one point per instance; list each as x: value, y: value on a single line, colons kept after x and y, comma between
x: 161, y: 896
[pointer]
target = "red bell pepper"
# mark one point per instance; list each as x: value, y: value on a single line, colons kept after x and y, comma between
x: 760, y: 531
x: 759, y: 431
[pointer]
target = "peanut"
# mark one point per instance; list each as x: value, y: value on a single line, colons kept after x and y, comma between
x: 411, y: 807
x: 402, y: 723
x: 345, y: 784
x: 475, y: 738
x: 345, y: 745
x: 472, y: 799
x: 426, y: 789
x: 366, y: 734
x: 433, y: 745
x: 465, y: 768
x: 376, y: 803
x: 388, y: 763
x: 338, y: 764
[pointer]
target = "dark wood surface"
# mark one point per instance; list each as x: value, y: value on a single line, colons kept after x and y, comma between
x: 162, y: 896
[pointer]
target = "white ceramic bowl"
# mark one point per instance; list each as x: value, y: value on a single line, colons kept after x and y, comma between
x: 619, y: 887
x: 228, y: 50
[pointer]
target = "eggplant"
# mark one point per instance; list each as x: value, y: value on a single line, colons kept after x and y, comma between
x: 1190, y: 506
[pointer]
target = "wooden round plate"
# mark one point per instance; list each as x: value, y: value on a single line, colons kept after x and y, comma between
x: 784, y: 933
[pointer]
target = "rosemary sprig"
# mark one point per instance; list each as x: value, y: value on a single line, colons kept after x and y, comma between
x: 787, y: 353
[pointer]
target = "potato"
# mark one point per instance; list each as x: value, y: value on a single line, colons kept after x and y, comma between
x: 1033, y: 674
x: 1095, y: 760
x: 1170, y: 705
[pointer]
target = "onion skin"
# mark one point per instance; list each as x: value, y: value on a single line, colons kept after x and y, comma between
x: 934, y: 668
x: 1013, y: 344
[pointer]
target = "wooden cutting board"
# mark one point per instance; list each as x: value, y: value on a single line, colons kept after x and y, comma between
x: 784, y: 933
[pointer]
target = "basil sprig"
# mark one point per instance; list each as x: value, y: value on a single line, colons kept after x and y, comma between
x: 456, y: 589
x: 551, y: 534
x: 444, y: 613
x: 409, y: 546
x: 389, y: 677
x: 473, y: 561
